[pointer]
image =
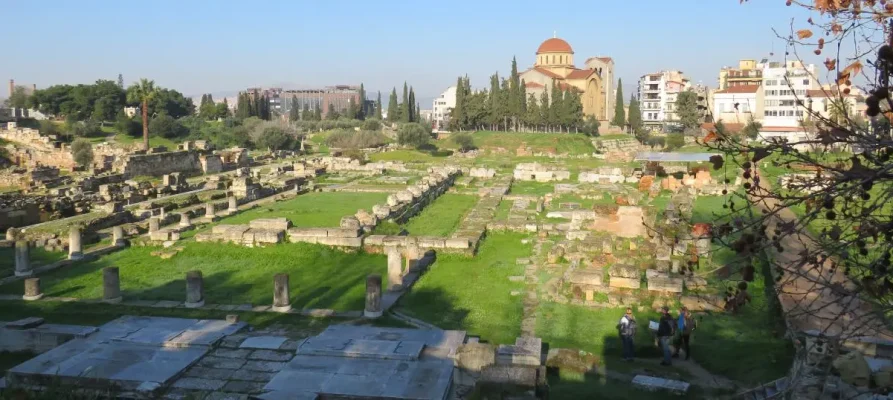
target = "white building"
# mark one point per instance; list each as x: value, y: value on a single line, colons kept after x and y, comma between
x: 736, y: 105
x: 443, y: 104
x: 657, y: 97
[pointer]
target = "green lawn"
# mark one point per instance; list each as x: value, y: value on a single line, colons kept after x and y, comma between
x: 558, y: 143
x: 473, y: 294
x: 441, y: 217
x: 408, y: 156
x: 39, y: 257
x: 532, y: 188
x: 320, y: 277
x: 316, y: 209
x: 710, y: 208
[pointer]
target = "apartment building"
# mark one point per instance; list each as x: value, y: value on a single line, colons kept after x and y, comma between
x: 658, y: 93
x: 748, y: 73
x: 443, y: 104
x: 281, y: 101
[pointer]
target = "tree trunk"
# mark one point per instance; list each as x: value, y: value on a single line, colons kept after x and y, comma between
x: 145, y: 112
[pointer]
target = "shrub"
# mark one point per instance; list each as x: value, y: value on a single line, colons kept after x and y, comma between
x: 128, y: 126
x: 345, y: 139
x: 675, y: 141
x: 273, y: 138
x: 84, y: 129
x: 413, y: 134
x: 464, y: 141
x: 47, y: 128
x: 166, y: 126
x: 371, y: 125
x: 82, y: 151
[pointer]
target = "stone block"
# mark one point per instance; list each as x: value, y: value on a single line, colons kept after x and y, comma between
x: 457, y: 243
x: 475, y: 356
x: 702, y: 303
x: 341, y: 241
x: 584, y: 277
x: 274, y: 224
x: 374, y: 240
x: 668, y: 284
x: 651, y: 383
x: 266, y: 236
x: 263, y: 342
x: 695, y: 283
x: 526, y: 351
x: 343, y: 232
x: 350, y: 222
x: 431, y: 242
x: 307, y: 232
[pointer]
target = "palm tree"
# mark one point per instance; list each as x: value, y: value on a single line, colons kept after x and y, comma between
x: 839, y: 110
x: 143, y: 93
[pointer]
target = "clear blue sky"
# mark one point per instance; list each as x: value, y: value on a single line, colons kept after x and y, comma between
x: 198, y: 46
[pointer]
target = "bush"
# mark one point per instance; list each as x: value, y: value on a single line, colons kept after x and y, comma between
x: 675, y: 141
x: 345, y: 139
x: 273, y: 138
x: 82, y: 151
x: 413, y: 134
x: 125, y: 125
x: 84, y: 129
x: 48, y: 128
x: 371, y: 125
x: 166, y: 126
x: 590, y: 126
x: 464, y: 141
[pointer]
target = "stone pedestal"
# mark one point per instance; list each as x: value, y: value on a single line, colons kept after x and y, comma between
x: 153, y: 224
x: 395, y: 270
x: 23, y: 258
x: 209, y: 210
x: 184, y: 220
x: 118, y: 236
x: 281, y: 299
x: 32, y: 289
x: 233, y: 205
x: 11, y: 234
x: 75, y: 251
x: 195, y: 289
x: 413, y: 255
x: 373, y: 296
x: 111, y: 285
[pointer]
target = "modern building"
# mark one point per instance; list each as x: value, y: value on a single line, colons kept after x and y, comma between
x: 555, y: 66
x: 657, y: 98
x: 29, y: 89
x: 281, y: 101
x: 737, y: 105
x: 748, y: 73
x: 443, y: 104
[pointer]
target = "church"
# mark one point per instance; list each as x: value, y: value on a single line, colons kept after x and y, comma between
x: 555, y: 65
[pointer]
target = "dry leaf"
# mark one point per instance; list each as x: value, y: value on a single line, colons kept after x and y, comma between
x: 854, y: 68
x: 830, y: 64
x: 710, y: 137
x: 836, y: 28
x: 804, y: 34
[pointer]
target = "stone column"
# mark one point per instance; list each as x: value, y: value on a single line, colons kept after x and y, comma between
x: 413, y: 255
x: 195, y: 290
x: 373, y: 296
x: 23, y: 258
x: 75, y: 252
x: 184, y: 220
x: 111, y: 285
x: 281, y: 299
x: 11, y: 234
x: 395, y: 270
x: 32, y: 289
x: 118, y: 236
x: 153, y: 224
x: 233, y: 205
x: 209, y: 210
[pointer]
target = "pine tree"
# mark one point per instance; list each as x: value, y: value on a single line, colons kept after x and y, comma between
x: 121, y: 81
x: 393, y: 110
x: 412, y: 106
x: 294, y: 112
x: 404, y: 106
x: 619, y: 114
x: 635, y: 116
x: 377, y: 113
x: 352, y: 109
x: 457, y: 115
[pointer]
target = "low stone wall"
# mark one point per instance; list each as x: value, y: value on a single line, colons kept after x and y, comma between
x: 377, y: 243
x: 158, y: 164
x: 539, y: 173
x: 256, y: 233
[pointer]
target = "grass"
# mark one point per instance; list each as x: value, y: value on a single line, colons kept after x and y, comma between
x: 62, y: 226
x: 320, y: 277
x: 532, y: 188
x: 558, y: 143
x: 616, y: 136
x: 38, y: 256
x: 473, y: 294
x: 316, y: 209
x: 708, y: 209
x: 408, y: 156
x: 570, y: 385
x: 442, y: 217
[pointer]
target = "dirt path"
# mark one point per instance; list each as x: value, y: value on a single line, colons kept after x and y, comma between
x: 812, y: 296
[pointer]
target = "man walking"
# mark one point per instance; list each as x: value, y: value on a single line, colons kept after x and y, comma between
x: 686, y: 325
x: 665, y: 330
x: 627, y: 327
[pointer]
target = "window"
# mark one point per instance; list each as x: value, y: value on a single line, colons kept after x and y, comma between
x: 745, y: 107
x: 787, y: 103
x: 806, y: 81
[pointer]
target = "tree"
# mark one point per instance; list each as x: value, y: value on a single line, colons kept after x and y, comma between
x: 675, y: 141
x: 121, y: 81
x: 377, y: 112
x: 18, y: 98
x: 82, y: 152
x: 405, y: 115
x: 590, y: 126
x: 464, y: 141
x: 294, y: 112
x: 687, y: 109
x: 222, y: 109
x: 839, y: 110
x: 393, y: 109
x: 413, y: 134
x: 457, y: 114
x: 619, y: 114
x: 143, y: 93
x: 48, y: 128
x: 515, y: 96
x: 371, y: 124
x: 273, y: 138
x: 545, y: 111
x: 635, y: 116
x: 332, y: 114
x: 166, y: 126
x: 752, y: 129
x: 125, y: 125
x: 361, y: 110
x: 533, y: 115
x: 413, y: 110
x: 352, y: 109
x: 208, y: 109
x: 104, y: 109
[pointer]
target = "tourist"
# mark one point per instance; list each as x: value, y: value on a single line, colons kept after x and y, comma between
x: 665, y: 331
x: 685, y: 325
x: 627, y: 327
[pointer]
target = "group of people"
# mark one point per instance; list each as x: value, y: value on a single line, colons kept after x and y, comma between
x: 677, y: 330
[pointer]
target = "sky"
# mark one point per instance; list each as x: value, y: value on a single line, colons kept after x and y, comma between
x: 220, y: 46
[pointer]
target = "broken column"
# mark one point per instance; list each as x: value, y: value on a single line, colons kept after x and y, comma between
x: 233, y: 205
x: 373, y: 296
x: 118, y: 236
x: 281, y: 299
x: 111, y: 285
x: 23, y: 258
x: 75, y: 252
x: 32, y: 289
x: 11, y: 234
x: 184, y: 220
x: 413, y: 254
x: 395, y: 270
x: 209, y: 210
x: 195, y: 291
x: 153, y: 224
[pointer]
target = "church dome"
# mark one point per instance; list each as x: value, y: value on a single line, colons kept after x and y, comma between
x: 554, y: 45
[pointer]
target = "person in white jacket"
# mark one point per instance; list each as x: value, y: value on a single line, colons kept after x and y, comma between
x: 627, y: 328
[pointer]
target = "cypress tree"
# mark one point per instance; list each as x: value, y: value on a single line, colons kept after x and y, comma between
x: 361, y: 108
x: 294, y: 113
x: 515, y: 96
x: 555, y: 105
x: 393, y: 110
x: 635, y: 116
x: 619, y: 115
x: 412, y: 106
x: 418, y: 113
x: 532, y: 112
x: 404, y: 107
x: 377, y: 113
x: 494, y: 108
x: 457, y: 115
x: 317, y: 113
x: 544, y: 110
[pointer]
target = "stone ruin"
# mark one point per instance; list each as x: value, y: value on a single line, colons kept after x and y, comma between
x: 482, y: 172
x: 540, y: 173
x: 606, y: 175
x: 258, y: 232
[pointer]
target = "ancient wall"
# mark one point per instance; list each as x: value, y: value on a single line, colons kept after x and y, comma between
x: 158, y: 164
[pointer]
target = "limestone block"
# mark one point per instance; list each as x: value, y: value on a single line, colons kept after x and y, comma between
x: 343, y: 232
x: 350, y: 222
x: 366, y: 218
x: 402, y: 197
x: 475, y: 356
x: 415, y: 191
x: 277, y: 224
x: 393, y: 200
x: 624, y: 276
x: 160, y: 235
x: 266, y: 235
x: 341, y: 241
x: 431, y: 242
x: 577, y: 235
x: 381, y: 211
x: 374, y: 240
x: 394, y: 241
x: 668, y: 284
x: 304, y: 239
x: 456, y: 243
x: 584, y: 277
x: 695, y: 283
x: 308, y: 232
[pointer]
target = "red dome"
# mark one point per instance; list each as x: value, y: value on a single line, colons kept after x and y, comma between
x: 554, y: 45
